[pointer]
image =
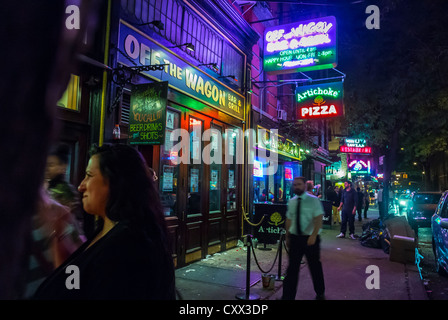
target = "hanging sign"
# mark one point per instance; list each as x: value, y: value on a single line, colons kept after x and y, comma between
x: 320, y: 101
x: 365, y: 150
x: 301, y: 46
x: 147, y: 115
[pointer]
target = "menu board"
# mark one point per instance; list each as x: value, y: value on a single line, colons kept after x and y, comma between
x: 147, y: 116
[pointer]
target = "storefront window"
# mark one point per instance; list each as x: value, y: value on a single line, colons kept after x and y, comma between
x: 231, y: 140
x: 215, y: 170
x: 169, y: 172
x: 71, y: 97
x: 195, y: 167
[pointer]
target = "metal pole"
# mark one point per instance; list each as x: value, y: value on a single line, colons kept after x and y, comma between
x: 247, y: 295
x: 279, y: 271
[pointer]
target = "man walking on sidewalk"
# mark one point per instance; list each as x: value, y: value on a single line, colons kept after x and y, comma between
x: 348, y: 204
x: 303, y: 225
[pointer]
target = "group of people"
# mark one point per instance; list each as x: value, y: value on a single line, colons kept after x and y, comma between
x: 127, y: 256
x: 346, y: 202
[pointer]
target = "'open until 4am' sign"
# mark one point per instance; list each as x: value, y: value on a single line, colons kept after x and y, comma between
x: 301, y: 46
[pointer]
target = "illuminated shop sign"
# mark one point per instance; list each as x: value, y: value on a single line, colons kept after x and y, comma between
x: 301, y: 46
x: 288, y: 173
x: 258, y: 169
x: 356, y: 143
x: 284, y: 146
x: 365, y: 150
x: 142, y: 50
x: 359, y: 166
x: 320, y: 101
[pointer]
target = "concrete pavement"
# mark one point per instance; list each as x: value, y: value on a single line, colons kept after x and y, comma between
x: 345, y: 261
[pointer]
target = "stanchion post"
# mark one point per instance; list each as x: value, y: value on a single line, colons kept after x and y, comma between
x: 280, y: 248
x: 247, y: 295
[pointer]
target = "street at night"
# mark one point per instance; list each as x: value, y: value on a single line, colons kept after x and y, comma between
x: 225, y: 156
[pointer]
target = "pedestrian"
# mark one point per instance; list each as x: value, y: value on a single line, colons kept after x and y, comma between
x: 59, y: 188
x: 366, y: 202
x: 54, y: 237
x: 128, y: 257
x: 303, y: 226
x: 332, y: 196
x: 380, y: 203
x: 348, y: 204
x: 360, y: 203
x: 338, y: 201
x: 310, y: 187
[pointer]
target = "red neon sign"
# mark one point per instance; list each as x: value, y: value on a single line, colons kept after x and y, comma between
x: 346, y: 149
x: 319, y: 112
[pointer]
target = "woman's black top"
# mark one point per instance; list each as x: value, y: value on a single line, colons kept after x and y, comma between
x: 123, y: 264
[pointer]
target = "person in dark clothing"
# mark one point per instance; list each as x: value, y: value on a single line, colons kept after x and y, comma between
x: 128, y: 257
x: 348, y: 204
x: 303, y: 225
x: 360, y: 203
x: 58, y: 187
x: 333, y: 197
x: 366, y: 203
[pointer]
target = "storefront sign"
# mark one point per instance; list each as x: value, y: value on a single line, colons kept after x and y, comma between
x: 271, y: 228
x: 147, y: 115
x: 355, y: 143
x: 283, y: 146
x: 359, y: 166
x: 301, y: 46
x: 178, y: 72
x: 320, y: 101
x: 345, y: 149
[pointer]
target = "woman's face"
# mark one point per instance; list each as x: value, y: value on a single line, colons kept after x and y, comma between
x: 94, y: 189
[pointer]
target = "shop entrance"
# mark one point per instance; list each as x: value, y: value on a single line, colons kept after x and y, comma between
x: 200, y: 197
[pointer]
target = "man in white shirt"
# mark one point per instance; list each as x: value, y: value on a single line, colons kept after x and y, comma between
x: 302, y: 238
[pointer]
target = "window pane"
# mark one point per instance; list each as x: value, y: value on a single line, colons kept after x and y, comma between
x: 169, y: 171
x: 195, y: 167
x: 215, y: 169
x: 232, y: 169
x: 71, y: 97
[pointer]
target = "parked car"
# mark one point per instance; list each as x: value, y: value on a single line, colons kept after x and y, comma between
x: 422, y: 207
x: 403, y: 202
x: 439, y: 226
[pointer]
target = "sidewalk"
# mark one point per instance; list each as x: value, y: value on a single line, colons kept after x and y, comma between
x: 223, y: 275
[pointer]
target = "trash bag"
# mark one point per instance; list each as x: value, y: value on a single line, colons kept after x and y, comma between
x: 373, y: 240
x: 385, y: 241
x: 375, y: 224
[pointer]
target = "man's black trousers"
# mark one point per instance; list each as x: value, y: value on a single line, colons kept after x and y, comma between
x: 347, y: 216
x: 297, y: 249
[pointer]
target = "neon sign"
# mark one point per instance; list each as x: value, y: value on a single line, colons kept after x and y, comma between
x: 288, y: 173
x: 320, y: 101
x: 345, y: 149
x: 359, y: 166
x: 305, y: 45
x: 357, y: 143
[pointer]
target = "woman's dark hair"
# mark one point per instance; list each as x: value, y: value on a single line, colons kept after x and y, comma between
x: 133, y: 195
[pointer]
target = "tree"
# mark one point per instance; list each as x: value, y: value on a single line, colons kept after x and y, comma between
x: 395, y: 85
